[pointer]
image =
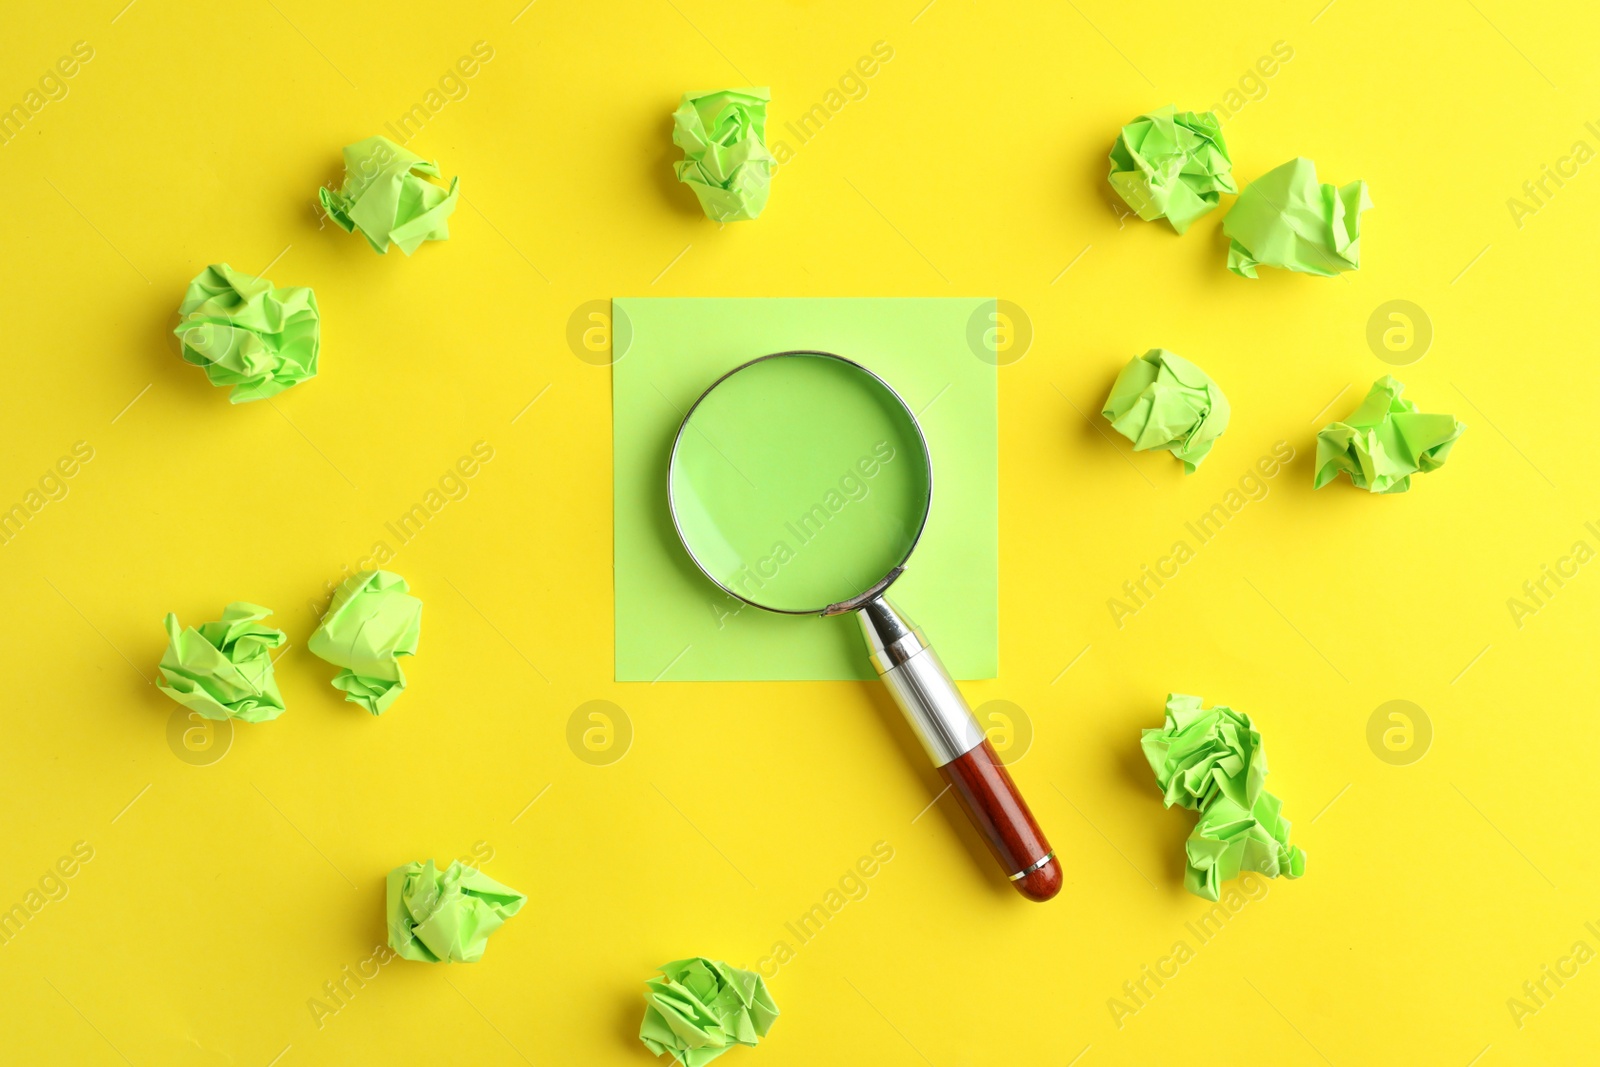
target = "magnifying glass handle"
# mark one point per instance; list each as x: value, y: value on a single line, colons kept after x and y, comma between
x: 939, y: 715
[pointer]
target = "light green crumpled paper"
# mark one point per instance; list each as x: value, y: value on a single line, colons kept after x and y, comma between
x: 372, y: 621
x: 700, y: 1008
x: 248, y: 334
x: 723, y: 135
x: 1384, y: 442
x: 223, y: 669
x: 1161, y: 400
x: 446, y: 916
x: 1172, y: 165
x: 388, y: 197
x: 1211, y: 761
x: 1285, y: 219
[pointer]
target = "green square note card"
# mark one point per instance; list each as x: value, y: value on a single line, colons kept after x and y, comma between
x: 673, y: 624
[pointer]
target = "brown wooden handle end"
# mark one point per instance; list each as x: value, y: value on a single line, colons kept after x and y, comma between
x: 995, y: 807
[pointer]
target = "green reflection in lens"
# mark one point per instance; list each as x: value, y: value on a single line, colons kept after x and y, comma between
x: 799, y: 481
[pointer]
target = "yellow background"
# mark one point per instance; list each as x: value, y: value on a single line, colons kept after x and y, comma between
x: 221, y: 898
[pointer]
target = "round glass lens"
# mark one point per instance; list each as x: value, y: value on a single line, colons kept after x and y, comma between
x: 799, y: 481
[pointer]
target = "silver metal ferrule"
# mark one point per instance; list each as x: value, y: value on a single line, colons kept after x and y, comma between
x: 932, y: 704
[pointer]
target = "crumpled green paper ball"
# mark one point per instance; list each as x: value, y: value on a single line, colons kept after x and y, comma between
x: 1285, y: 219
x: 1210, y: 760
x: 1384, y: 441
x: 372, y: 622
x: 1172, y: 165
x: 387, y: 196
x: 248, y: 334
x: 446, y: 916
x: 700, y: 1008
x: 223, y: 669
x: 725, y: 158
x: 1161, y: 400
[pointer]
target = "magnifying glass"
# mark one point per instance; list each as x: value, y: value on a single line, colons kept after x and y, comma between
x: 800, y: 483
